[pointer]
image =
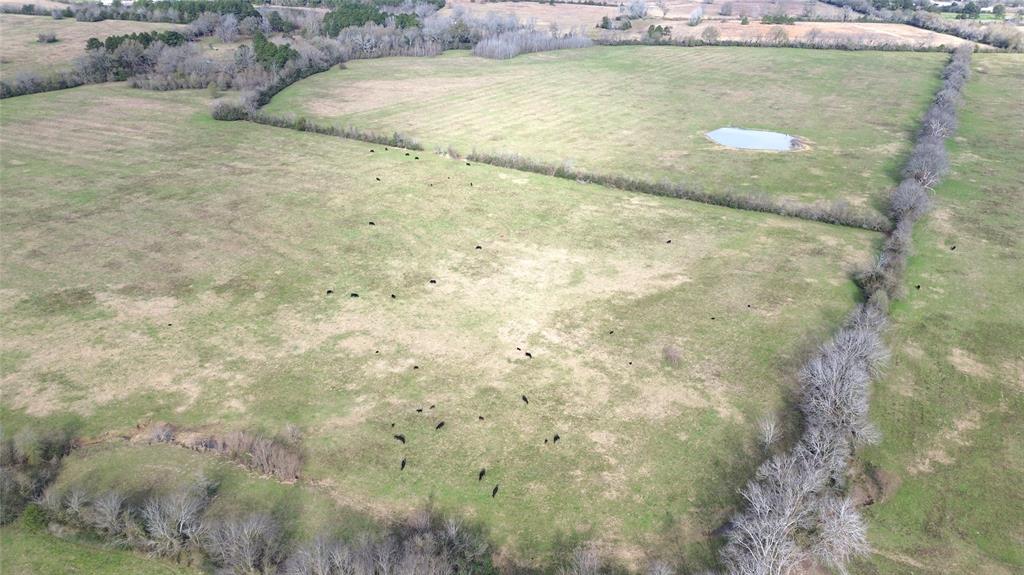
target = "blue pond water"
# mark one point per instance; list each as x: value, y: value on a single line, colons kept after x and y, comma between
x: 754, y: 139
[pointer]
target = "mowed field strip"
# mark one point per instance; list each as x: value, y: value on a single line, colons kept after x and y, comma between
x: 644, y: 111
x: 159, y: 265
x: 20, y: 50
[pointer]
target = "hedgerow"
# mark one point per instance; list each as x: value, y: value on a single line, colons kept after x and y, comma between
x: 796, y: 507
x: 834, y: 213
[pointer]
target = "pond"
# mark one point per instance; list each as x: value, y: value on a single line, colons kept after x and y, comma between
x: 755, y: 140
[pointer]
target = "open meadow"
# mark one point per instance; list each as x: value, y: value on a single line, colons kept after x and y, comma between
x: 21, y: 51
x: 644, y: 111
x: 138, y: 290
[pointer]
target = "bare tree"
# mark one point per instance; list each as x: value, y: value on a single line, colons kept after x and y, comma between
x: 928, y: 162
x: 770, y: 430
x: 245, y: 545
x: 842, y: 534
x: 108, y: 513
x: 174, y: 521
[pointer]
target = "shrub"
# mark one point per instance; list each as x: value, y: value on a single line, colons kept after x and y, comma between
x: 33, y: 518
x: 710, y: 35
x: 228, y: 111
x: 160, y: 433
x: 672, y: 355
x: 46, y: 37
x: 634, y: 9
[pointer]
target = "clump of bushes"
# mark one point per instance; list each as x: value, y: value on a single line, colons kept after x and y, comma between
x: 111, y: 43
x: 46, y: 37
x: 29, y: 461
x: 510, y: 44
x: 228, y: 111
x: 176, y: 525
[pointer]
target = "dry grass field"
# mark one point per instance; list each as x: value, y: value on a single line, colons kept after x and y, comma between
x: 644, y: 111
x: 868, y: 32
x: 195, y: 291
x: 21, y: 51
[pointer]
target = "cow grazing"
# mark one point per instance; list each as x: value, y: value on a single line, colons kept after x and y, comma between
x: 416, y: 158
x: 479, y: 248
x: 330, y: 291
x: 480, y: 417
x: 419, y: 410
x: 415, y: 367
x: 556, y: 438
x: 433, y: 281
x: 480, y: 476
x: 372, y: 224
x: 952, y: 248
x: 402, y: 468
x: 529, y: 355
x: 371, y: 150
x: 525, y: 400
x: 668, y: 242
x: 432, y: 406
x: 467, y: 163
x: 918, y: 286
x: 494, y: 491
x: 400, y: 437
x: 439, y: 426
x: 378, y: 179
x: 353, y: 294
x: 545, y: 441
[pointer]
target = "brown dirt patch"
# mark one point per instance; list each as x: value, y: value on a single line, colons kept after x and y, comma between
x: 939, y: 451
x: 965, y: 363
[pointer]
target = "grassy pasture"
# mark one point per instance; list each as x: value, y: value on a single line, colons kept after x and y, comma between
x: 644, y: 111
x: 24, y: 552
x: 159, y: 265
x: 21, y: 52
x: 952, y: 405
